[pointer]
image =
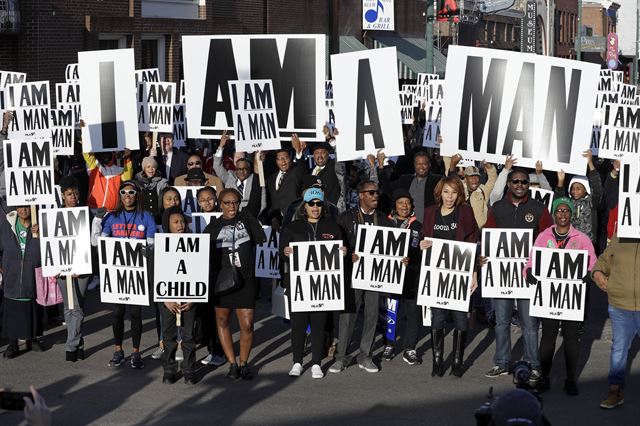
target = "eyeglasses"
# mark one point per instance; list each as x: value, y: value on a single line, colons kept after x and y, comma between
x: 231, y: 203
x: 194, y: 163
x: 128, y: 192
x: 371, y: 192
x: 520, y: 181
x: 315, y: 203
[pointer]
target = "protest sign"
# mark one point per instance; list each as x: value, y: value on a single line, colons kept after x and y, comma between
x: 179, y: 125
x: 532, y: 106
x: 255, y: 120
x: 123, y: 271
x: 30, y: 105
x: 57, y: 194
x: 413, y: 88
x: 328, y: 103
x: 10, y: 77
x: 408, y: 101
x: 433, y: 115
x: 545, y: 196
x: 181, y: 268
x: 200, y: 220
x: 65, y: 246
x: 620, y: 133
x: 426, y: 316
x: 446, y: 275
x: 62, y: 131
x: 294, y: 63
x: 71, y: 73
x: 108, y: 100
x: 560, y: 292
x: 316, y: 272
x: 188, y: 195
x: 68, y: 97
x: 507, y: 251
x: 629, y: 200
x: 155, y: 106
x: 181, y: 99
x: 388, y: 317
x: 146, y: 75
x: 267, y: 256
x: 367, y: 103
x: 28, y: 172
x: 422, y: 86
x: 379, y: 266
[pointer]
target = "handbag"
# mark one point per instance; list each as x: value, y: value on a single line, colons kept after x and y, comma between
x: 229, y: 279
x: 48, y: 292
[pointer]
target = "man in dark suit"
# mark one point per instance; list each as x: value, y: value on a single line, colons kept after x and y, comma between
x: 173, y: 162
x: 284, y: 186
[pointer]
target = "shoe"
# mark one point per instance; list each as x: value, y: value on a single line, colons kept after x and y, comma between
x: 190, y: 378
x: 157, y: 354
x: 71, y: 356
x: 337, y: 367
x: 179, y: 355
x: 496, y: 371
x: 169, y: 378
x: 368, y: 366
x: 410, y: 357
x: 544, y: 384
x: 215, y: 360
x: 12, y: 350
x: 571, y: 387
x: 534, y: 378
x: 437, y: 339
x: 459, y: 342
x: 316, y: 372
x: 136, y: 361
x: 35, y: 345
x: 80, y: 349
x: 296, y: 370
x: 234, y: 372
x: 117, y: 360
x: 388, y: 353
x: 614, y: 399
x: 245, y: 372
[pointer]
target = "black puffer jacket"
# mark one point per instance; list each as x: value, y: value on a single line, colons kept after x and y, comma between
x: 19, y: 277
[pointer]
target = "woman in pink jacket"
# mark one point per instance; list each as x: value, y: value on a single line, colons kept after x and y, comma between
x: 564, y: 236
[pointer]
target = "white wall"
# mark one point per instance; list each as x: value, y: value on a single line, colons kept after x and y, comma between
x: 627, y: 26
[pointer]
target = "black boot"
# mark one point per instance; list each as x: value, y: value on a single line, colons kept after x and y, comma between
x: 80, y: 349
x: 12, y: 350
x: 437, y: 339
x: 459, y: 341
x: 72, y: 356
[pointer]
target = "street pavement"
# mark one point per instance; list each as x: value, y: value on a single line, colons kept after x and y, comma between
x: 89, y: 392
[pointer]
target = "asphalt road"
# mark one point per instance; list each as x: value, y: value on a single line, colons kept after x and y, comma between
x: 89, y: 392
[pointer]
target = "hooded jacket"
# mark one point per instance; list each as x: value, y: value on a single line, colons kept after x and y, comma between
x: 104, y: 182
x: 18, y: 275
x: 585, y: 213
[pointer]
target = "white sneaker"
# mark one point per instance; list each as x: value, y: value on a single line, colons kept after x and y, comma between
x: 206, y: 359
x: 316, y: 372
x: 157, y: 354
x: 296, y: 370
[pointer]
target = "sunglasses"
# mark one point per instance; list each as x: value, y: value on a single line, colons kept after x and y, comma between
x: 194, y: 163
x: 520, y: 181
x: 315, y: 203
x: 565, y: 211
x: 128, y: 192
x: 371, y: 192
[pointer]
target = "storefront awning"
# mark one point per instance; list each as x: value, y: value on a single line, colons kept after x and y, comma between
x: 411, y: 54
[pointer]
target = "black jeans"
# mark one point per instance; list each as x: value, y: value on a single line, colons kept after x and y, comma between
x: 299, y: 323
x: 136, y: 324
x: 170, y: 332
x: 439, y: 316
x: 548, y: 345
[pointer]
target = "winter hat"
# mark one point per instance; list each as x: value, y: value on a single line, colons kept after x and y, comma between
x: 581, y: 180
x: 517, y: 407
x: 313, y: 194
x: 149, y: 160
x: 401, y: 193
x: 562, y: 200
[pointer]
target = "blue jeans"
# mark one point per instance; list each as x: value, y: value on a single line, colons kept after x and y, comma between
x: 529, y: 325
x: 624, y: 325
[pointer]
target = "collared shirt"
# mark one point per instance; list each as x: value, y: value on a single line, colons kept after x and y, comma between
x: 278, y: 178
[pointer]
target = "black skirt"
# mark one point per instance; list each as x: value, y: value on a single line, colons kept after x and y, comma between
x: 21, y: 320
x: 244, y: 298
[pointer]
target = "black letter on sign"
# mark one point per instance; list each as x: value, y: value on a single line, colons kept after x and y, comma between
x: 561, y: 111
x: 492, y: 94
x: 108, y: 105
x: 367, y: 96
x: 221, y: 68
x: 522, y: 107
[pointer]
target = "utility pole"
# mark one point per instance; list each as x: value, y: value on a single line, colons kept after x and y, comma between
x: 579, y: 33
x: 429, y: 36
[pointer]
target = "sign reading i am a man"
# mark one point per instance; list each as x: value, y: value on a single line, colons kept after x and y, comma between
x: 123, y: 271
x: 65, y: 246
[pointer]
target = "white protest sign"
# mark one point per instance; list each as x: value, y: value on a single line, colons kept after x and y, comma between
x: 267, y: 256
x: 179, y: 125
x: 422, y: 86
x: 435, y: 90
x: 379, y: 266
x: 68, y: 97
x: 62, y: 131
x: 57, y: 193
x: 611, y: 76
x: 11, y: 77
x: 545, y: 196
x: 408, y: 101
x: 328, y: 103
x: 108, y: 100
x: 316, y: 276
x: 71, y: 73
x: 181, y: 268
x: 433, y: 115
x: 560, y: 292
x: 181, y: 99
x: 155, y: 106
x: 255, y: 122
x: 30, y: 104
x: 413, y: 88
x: 146, y: 75
x: 65, y: 246
x: 189, y: 197
x: 123, y: 271
x: 446, y: 275
x: 532, y: 106
x: 426, y: 316
x: 200, y: 220
x: 629, y: 200
x: 28, y: 172
x: 295, y: 64
x: 507, y: 251
x: 620, y: 133
x: 367, y: 103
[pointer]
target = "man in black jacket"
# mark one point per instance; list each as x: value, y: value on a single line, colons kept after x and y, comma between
x: 173, y: 162
x: 284, y: 186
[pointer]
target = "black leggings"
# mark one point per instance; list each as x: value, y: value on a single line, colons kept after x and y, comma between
x: 136, y: 324
x: 548, y: 345
x: 299, y: 323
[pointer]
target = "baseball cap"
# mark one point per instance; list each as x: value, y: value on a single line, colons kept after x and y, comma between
x: 471, y: 171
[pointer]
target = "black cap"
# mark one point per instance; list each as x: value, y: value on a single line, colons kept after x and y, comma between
x: 195, y: 174
x: 321, y: 145
x: 130, y: 183
x: 401, y: 193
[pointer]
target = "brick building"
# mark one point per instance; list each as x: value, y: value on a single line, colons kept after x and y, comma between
x: 565, y: 28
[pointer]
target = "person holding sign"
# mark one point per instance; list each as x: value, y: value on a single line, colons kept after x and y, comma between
x: 104, y: 177
x: 562, y: 235
x: 129, y: 220
x: 315, y: 226
x: 20, y: 256
x: 449, y: 219
x: 234, y: 237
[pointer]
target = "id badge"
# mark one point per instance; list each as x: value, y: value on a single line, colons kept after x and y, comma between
x: 234, y: 259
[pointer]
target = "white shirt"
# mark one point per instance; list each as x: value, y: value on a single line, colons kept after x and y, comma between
x: 280, y: 175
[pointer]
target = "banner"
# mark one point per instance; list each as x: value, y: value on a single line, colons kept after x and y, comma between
x: 378, y: 15
x: 200, y: 220
x: 532, y: 106
x: 28, y: 172
x: 62, y: 131
x: 317, y: 276
x: 179, y: 125
x: 545, y: 196
x: 446, y: 275
x: 620, y: 132
x: 267, y: 256
x: 123, y: 271
x: 294, y: 63
x: 155, y: 107
x: 388, y: 317
x: 181, y: 268
x: 30, y: 105
x: 612, y: 51
x: 254, y: 116
x: 507, y: 251
x: 68, y: 97
x: 65, y: 246
x: 380, y: 250
x: 146, y: 75
x: 367, y: 103
x: 108, y: 100
x: 528, y: 39
x: 629, y: 200
x: 560, y: 293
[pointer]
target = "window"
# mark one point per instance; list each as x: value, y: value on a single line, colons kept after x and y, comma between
x: 112, y: 41
x: 153, y: 54
x: 174, y: 9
